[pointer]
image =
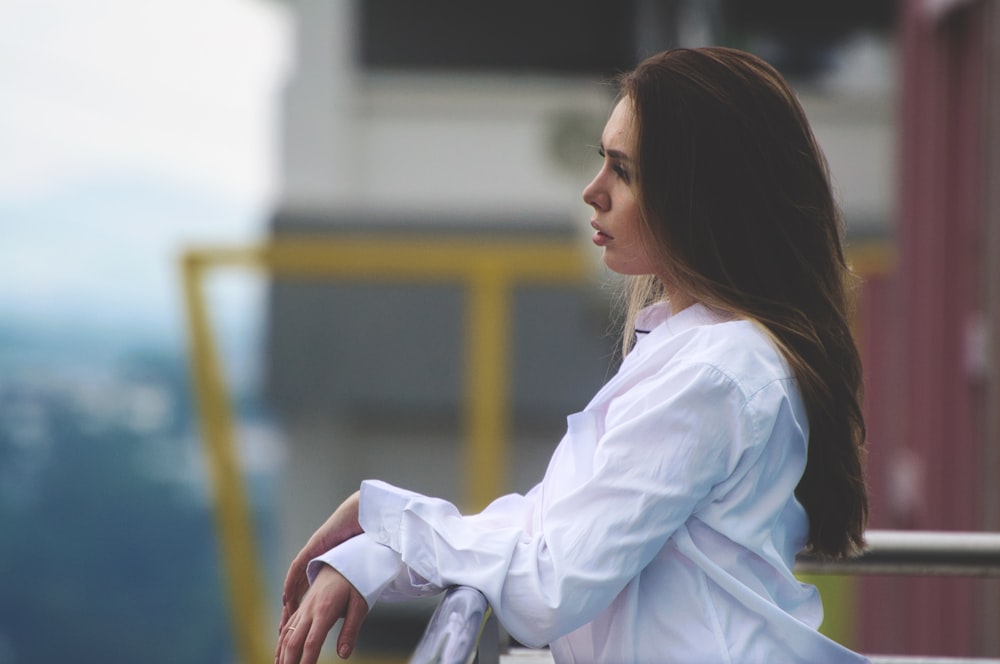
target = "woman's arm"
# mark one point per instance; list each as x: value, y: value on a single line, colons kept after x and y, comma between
x: 346, y: 580
x: 378, y: 572
x: 659, y: 452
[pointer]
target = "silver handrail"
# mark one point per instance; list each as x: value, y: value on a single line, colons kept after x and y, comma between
x: 915, y: 553
x: 454, y: 630
x: 452, y: 636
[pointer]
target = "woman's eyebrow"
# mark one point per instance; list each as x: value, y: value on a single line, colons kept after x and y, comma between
x: 615, y: 154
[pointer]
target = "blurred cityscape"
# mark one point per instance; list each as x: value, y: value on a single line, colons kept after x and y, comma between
x: 140, y: 130
x: 109, y: 540
x: 128, y: 134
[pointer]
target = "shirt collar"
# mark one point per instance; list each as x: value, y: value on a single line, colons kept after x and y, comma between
x: 655, y: 315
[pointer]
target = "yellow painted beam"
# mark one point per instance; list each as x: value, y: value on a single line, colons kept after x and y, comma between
x: 407, y: 259
x: 487, y: 363
x: 489, y: 268
x: 242, y: 569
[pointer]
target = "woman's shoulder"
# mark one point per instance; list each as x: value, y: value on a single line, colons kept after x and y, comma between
x: 736, y: 350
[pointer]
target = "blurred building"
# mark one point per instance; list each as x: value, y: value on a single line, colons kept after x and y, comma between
x: 932, y: 325
x: 448, y: 118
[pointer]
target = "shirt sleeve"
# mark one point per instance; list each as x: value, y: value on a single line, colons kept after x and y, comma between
x: 661, y: 448
x: 375, y: 570
x: 378, y: 572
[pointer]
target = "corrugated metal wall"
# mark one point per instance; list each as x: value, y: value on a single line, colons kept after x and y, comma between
x: 932, y: 465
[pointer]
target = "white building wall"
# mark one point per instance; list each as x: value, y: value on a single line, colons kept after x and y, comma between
x: 471, y: 145
x: 320, y: 118
x: 498, y: 145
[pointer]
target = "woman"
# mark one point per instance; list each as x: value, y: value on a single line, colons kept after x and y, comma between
x: 666, y: 526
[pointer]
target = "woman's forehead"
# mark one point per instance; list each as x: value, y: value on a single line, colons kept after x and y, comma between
x: 618, y: 130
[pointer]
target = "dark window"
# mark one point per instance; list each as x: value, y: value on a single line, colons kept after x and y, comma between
x: 544, y: 36
x: 803, y: 35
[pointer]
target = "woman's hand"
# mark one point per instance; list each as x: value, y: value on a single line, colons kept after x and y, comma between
x: 342, y: 525
x: 330, y: 598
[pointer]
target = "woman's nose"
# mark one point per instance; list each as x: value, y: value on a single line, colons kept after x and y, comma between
x: 594, y: 196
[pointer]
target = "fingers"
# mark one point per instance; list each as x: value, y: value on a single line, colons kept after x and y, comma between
x: 302, y: 641
x: 289, y: 650
x: 296, y: 585
x: 303, y: 631
x: 286, y: 614
x: 357, y: 611
x: 313, y: 639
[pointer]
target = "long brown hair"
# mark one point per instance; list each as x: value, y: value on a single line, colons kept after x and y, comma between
x: 737, y: 204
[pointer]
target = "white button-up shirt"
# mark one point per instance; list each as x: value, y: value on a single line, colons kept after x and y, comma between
x: 664, y: 530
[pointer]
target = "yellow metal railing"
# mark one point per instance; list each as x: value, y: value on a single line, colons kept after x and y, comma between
x: 489, y: 268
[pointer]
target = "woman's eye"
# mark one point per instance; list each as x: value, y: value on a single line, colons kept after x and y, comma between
x: 616, y: 167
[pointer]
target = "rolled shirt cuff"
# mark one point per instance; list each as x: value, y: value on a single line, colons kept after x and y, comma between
x: 381, y: 510
x: 366, y: 564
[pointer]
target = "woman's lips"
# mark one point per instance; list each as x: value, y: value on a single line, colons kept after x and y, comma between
x: 600, y: 237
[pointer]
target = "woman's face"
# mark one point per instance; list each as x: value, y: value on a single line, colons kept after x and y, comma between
x: 613, y: 194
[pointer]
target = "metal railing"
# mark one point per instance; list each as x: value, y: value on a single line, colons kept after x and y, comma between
x: 463, y: 614
x: 916, y: 553
x: 462, y: 628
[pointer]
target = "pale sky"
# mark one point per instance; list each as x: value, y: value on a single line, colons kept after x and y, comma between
x: 129, y: 129
x: 186, y: 88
